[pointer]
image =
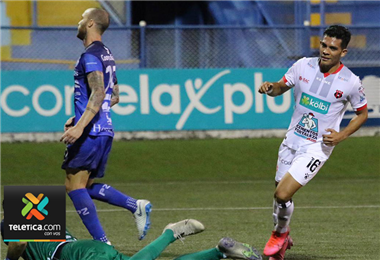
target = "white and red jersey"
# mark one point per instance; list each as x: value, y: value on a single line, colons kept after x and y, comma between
x: 320, y: 102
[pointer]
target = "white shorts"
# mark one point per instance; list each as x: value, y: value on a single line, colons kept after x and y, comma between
x: 302, y: 166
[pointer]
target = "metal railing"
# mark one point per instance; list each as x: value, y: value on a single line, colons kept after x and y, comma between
x: 134, y: 47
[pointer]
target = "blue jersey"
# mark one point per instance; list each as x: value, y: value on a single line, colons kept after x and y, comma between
x: 96, y: 57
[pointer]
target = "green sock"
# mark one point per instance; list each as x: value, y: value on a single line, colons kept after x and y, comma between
x: 211, y: 254
x: 154, y: 249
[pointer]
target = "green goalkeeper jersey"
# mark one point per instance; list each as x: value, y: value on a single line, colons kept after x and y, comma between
x: 73, y: 250
x: 44, y: 250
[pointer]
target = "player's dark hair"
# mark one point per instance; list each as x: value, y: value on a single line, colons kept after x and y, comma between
x: 339, y: 32
x: 101, y: 19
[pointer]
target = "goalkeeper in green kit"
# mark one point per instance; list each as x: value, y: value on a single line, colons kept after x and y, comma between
x: 73, y: 249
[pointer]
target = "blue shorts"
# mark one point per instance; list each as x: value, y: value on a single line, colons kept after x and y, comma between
x: 88, y: 153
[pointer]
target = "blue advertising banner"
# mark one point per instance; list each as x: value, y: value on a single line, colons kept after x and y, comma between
x: 150, y: 100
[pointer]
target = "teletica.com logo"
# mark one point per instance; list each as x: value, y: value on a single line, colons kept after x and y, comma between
x: 29, y: 211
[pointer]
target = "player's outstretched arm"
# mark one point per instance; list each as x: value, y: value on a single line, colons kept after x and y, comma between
x: 15, y: 250
x: 273, y: 88
x: 356, y: 122
x: 95, y: 101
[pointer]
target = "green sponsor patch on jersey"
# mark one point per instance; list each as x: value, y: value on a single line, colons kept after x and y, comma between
x: 315, y: 104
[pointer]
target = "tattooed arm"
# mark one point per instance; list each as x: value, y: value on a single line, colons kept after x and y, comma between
x: 115, y: 95
x: 95, y: 101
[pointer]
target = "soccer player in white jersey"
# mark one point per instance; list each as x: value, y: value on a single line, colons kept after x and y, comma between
x: 323, y: 87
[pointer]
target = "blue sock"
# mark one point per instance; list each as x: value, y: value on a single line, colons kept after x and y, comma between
x: 106, y: 193
x: 87, y: 212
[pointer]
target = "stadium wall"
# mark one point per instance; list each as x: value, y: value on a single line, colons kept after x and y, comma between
x: 161, y: 104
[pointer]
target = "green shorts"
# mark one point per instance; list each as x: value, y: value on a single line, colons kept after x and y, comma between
x: 90, y: 250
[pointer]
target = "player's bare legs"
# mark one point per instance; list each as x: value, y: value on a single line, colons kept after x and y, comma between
x: 286, y: 188
x: 284, y: 207
x: 76, y: 179
x: 89, y: 183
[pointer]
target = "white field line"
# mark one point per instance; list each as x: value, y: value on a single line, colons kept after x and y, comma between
x: 239, y: 208
x: 219, y: 182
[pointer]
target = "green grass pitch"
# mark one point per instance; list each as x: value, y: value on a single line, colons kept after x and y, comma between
x: 228, y: 185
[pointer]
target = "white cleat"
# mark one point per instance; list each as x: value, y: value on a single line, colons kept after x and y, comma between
x: 142, y: 217
x: 185, y: 228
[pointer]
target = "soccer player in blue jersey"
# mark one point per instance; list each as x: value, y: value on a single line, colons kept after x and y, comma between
x: 89, y: 133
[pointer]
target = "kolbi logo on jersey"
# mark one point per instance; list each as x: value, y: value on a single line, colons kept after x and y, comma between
x: 315, y: 104
x: 307, y: 127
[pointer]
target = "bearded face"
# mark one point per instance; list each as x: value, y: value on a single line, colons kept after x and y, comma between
x: 82, y: 26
